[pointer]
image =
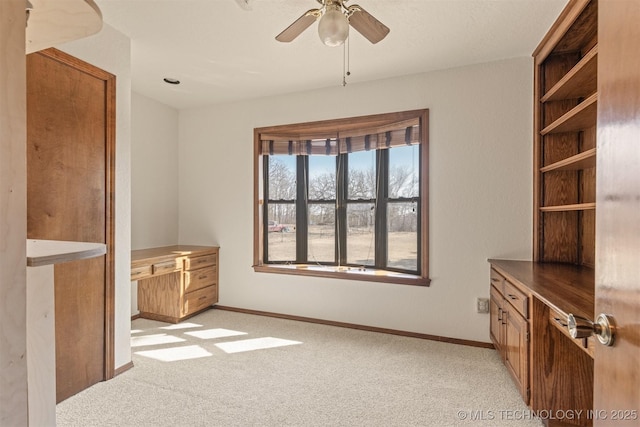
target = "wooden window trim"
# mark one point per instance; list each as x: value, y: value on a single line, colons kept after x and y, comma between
x: 343, y: 125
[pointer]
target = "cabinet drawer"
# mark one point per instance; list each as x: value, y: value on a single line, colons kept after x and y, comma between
x: 516, y: 298
x: 196, y: 279
x: 497, y: 280
x: 165, y: 267
x: 198, y: 300
x: 140, y: 272
x: 201, y: 261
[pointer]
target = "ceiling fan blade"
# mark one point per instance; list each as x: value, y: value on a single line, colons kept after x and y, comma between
x: 372, y: 29
x: 298, y: 26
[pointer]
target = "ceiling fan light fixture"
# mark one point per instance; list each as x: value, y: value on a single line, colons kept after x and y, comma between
x: 333, y: 27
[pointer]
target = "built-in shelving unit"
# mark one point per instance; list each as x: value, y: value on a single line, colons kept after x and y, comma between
x: 580, y: 82
x: 584, y: 160
x: 565, y: 139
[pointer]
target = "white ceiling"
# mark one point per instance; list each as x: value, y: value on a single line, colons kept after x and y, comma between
x: 223, y: 53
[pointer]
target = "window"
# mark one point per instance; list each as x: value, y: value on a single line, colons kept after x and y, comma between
x: 344, y: 198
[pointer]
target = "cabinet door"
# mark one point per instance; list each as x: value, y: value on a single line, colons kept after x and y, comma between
x: 495, y: 320
x: 516, y: 350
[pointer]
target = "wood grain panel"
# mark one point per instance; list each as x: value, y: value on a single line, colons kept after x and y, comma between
x: 617, y: 368
x: 588, y: 138
x: 557, y: 147
x: 582, y: 31
x: 70, y: 162
x: 579, y: 82
x: 159, y: 295
x: 588, y: 238
x: 556, y: 68
x: 560, y: 188
x: 587, y: 185
x: 560, y: 236
x: 563, y: 373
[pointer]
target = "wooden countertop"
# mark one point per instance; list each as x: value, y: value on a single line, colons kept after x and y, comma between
x: 170, y: 251
x: 47, y: 252
x: 565, y: 287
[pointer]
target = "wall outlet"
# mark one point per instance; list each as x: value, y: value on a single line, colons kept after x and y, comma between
x: 482, y: 305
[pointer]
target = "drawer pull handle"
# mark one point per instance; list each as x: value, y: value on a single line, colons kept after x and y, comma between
x: 202, y: 276
x: 202, y: 298
x: 557, y: 319
x: 500, y: 314
x: 512, y: 296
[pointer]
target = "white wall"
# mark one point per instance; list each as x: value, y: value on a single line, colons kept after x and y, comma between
x: 13, y: 215
x: 154, y: 179
x: 480, y: 195
x: 110, y: 50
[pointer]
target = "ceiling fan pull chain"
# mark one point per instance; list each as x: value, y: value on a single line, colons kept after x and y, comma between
x: 346, y: 63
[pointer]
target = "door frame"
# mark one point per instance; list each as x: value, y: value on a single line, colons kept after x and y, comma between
x: 110, y: 156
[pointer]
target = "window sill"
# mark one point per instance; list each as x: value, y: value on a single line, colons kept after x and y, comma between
x: 349, y: 273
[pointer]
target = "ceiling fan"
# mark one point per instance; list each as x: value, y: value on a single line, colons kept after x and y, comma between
x: 335, y: 19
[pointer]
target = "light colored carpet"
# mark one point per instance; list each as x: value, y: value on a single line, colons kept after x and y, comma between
x: 318, y: 376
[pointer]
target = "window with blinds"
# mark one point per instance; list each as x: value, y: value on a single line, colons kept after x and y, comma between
x: 344, y: 198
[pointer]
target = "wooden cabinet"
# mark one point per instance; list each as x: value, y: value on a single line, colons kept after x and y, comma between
x: 175, y: 282
x: 565, y: 116
x: 529, y: 305
x: 510, y: 329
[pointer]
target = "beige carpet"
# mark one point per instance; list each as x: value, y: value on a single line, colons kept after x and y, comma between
x: 224, y: 368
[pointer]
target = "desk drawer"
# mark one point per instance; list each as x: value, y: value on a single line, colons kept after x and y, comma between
x: 516, y: 298
x: 497, y: 280
x: 165, y: 267
x: 141, y: 272
x: 559, y: 320
x: 200, y: 262
x: 198, y: 300
x: 196, y: 279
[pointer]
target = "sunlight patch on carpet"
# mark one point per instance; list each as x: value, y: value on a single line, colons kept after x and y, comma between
x: 185, y: 325
x: 136, y: 331
x: 174, y: 354
x: 254, y: 344
x: 209, y: 334
x: 156, y: 339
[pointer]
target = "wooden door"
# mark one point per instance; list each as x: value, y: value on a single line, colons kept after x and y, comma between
x: 617, y: 368
x: 70, y: 153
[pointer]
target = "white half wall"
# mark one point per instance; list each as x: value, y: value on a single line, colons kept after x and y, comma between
x: 480, y: 195
x: 110, y: 50
x: 13, y: 215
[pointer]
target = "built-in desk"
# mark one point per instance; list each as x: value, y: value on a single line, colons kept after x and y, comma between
x: 175, y: 282
x: 530, y: 303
